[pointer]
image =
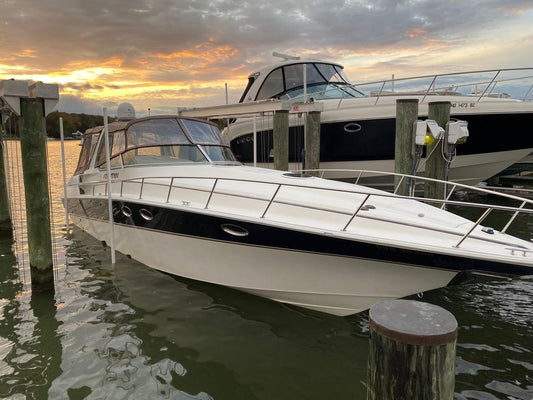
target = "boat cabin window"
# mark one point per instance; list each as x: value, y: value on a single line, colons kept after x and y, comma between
x: 272, y: 86
x: 164, y: 140
x: 87, y: 152
x: 324, y: 81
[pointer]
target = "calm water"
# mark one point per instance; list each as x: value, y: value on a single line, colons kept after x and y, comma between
x: 129, y: 332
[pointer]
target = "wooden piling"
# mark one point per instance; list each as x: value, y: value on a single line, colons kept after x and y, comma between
x: 34, y: 167
x: 412, y: 351
x: 281, y: 140
x: 404, y: 150
x: 439, y: 111
x: 312, y: 141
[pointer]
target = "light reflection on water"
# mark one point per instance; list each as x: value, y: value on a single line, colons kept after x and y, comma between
x: 129, y: 332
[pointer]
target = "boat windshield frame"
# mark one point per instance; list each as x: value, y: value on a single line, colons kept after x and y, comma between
x: 323, y: 80
x: 162, y: 140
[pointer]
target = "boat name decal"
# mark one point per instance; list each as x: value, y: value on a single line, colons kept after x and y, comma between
x: 114, y: 175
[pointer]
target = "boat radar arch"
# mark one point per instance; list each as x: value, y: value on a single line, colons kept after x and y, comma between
x: 125, y: 112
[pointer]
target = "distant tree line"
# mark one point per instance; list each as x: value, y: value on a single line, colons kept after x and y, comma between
x: 71, y: 123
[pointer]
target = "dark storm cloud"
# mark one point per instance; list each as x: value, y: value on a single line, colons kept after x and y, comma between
x: 55, y: 33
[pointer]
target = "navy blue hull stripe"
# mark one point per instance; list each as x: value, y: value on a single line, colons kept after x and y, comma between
x: 192, y: 224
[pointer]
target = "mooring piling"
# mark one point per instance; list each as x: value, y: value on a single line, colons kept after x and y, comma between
x: 312, y: 141
x: 32, y: 104
x: 35, y: 173
x: 281, y: 140
x: 439, y: 111
x: 404, y: 150
x: 412, y: 351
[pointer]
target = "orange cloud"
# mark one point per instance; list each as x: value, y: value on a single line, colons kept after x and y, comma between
x: 203, y: 51
x: 28, y: 53
x: 415, y: 32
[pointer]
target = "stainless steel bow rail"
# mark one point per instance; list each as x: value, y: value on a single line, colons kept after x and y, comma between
x: 478, y: 85
x: 145, y: 184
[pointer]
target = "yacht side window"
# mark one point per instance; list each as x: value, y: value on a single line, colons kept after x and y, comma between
x: 87, y: 152
x: 272, y: 86
x: 294, y: 76
x: 116, y: 146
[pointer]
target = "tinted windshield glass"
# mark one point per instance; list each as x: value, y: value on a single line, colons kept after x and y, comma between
x: 155, y: 132
x: 219, y: 153
x: 330, y: 73
x: 165, y: 141
x: 290, y: 78
x: 201, y: 132
x: 272, y: 85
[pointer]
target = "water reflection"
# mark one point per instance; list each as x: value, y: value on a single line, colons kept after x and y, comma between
x: 494, y: 349
x: 30, y: 349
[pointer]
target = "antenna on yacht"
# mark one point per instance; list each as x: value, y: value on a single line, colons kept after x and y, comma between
x: 285, y: 57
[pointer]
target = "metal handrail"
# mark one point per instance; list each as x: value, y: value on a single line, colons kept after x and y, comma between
x: 144, y: 181
x: 479, y: 221
x: 426, y: 90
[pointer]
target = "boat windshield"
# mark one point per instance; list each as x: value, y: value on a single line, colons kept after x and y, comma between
x: 165, y: 140
x: 323, y: 81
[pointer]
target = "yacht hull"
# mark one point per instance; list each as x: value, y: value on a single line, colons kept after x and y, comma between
x: 182, y: 205
x: 363, y: 137
x: 328, y: 274
x: 333, y: 284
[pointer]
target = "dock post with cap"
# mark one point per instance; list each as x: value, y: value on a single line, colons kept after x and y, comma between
x: 412, y: 351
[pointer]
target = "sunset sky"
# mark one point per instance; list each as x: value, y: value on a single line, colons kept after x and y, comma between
x: 164, y: 54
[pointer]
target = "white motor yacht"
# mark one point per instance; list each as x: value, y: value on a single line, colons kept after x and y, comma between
x: 182, y: 204
x: 358, y: 127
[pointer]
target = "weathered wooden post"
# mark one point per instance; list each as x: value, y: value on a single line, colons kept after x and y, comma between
x: 404, y: 150
x: 35, y: 172
x: 312, y: 141
x: 412, y: 351
x: 281, y: 140
x: 439, y: 111
x: 34, y: 168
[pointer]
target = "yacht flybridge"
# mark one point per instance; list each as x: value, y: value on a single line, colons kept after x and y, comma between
x: 182, y: 204
x: 358, y: 129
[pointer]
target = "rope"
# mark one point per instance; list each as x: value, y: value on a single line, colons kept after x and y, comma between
x: 423, y: 164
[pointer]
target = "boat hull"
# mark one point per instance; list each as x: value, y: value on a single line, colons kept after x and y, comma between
x: 310, y: 270
x: 333, y: 284
x: 364, y: 138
